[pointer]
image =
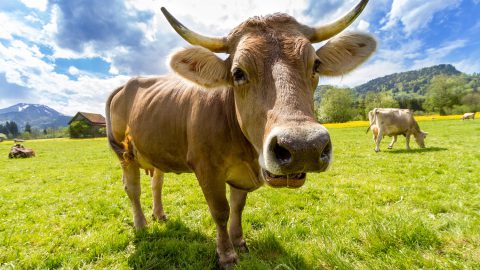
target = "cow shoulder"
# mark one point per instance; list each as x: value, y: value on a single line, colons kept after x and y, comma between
x: 344, y: 53
x: 200, y: 66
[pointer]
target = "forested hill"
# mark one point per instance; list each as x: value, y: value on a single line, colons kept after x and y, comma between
x: 415, y: 81
x: 438, y: 89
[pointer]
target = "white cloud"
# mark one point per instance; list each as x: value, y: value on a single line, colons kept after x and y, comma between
x: 365, y: 73
x: 23, y: 65
x: 73, y: 70
x: 468, y: 66
x: 37, y: 4
x: 436, y: 56
x: 363, y: 26
x: 10, y: 26
x: 415, y: 14
x: 214, y: 17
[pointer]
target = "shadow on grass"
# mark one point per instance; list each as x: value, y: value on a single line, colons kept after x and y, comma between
x: 268, y: 253
x: 174, y: 246
x: 416, y: 150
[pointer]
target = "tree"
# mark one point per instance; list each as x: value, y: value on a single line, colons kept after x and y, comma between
x: 80, y: 129
x: 443, y: 93
x: 28, y: 128
x: 336, y: 105
x: 472, y: 101
x: 412, y: 101
x: 379, y: 100
x: 12, y: 128
x: 3, y: 129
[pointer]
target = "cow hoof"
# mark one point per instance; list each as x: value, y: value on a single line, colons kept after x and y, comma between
x: 377, y: 150
x: 390, y: 147
x: 228, y: 260
x: 141, y: 226
x: 242, y: 247
x: 229, y: 266
x: 159, y: 218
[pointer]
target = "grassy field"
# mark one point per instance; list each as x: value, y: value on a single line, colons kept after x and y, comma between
x: 396, y: 209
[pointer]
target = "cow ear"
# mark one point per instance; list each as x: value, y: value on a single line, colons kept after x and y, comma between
x: 344, y: 53
x: 200, y: 66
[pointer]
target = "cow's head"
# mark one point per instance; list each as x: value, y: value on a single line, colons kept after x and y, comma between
x: 274, y: 70
x: 420, y: 138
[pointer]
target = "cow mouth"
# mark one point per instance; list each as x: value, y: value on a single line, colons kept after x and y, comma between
x: 294, y: 180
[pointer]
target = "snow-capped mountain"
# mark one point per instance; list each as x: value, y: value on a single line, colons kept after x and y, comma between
x: 37, y: 115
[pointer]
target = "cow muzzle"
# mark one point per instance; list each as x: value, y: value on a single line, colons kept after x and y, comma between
x: 290, y: 152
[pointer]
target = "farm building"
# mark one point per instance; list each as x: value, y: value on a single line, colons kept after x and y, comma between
x: 87, y: 125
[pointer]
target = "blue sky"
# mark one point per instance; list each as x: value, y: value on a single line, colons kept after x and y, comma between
x: 70, y: 54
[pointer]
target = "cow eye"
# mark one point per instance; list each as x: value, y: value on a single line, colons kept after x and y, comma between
x: 316, y: 66
x: 239, y: 76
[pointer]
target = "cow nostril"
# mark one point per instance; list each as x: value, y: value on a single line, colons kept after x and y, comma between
x: 283, y: 155
x: 326, y: 151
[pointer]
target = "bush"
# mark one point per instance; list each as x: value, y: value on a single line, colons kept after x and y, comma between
x: 80, y: 129
x: 459, y: 109
x: 336, y: 105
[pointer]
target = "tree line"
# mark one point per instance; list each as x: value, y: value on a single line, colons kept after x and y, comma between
x: 10, y: 130
x: 444, y: 95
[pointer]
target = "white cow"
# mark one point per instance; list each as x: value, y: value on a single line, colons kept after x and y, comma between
x: 394, y: 122
x: 470, y: 115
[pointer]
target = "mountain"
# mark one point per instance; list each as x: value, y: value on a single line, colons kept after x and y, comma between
x: 415, y: 81
x: 38, y: 116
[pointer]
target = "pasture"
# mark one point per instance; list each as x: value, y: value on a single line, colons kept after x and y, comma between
x: 396, y: 209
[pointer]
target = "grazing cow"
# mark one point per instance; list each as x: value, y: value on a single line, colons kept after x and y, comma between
x: 394, y: 122
x: 470, y: 115
x: 18, y: 151
x: 241, y: 121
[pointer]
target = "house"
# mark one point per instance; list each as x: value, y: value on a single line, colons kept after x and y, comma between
x: 87, y: 125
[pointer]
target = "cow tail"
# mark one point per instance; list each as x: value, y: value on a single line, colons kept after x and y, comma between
x: 373, y: 121
x: 118, y: 148
x: 368, y: 128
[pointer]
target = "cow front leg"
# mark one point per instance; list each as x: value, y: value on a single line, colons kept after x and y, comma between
x: 157, y: 184
x: 379, y: 139
x: 394, y: 140
x: 407, y: 139
x: 131, y: 183
x: 215, y: 194
x: 237, y: 203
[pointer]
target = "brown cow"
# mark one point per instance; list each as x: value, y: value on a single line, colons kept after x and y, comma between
x: 394, y: 122
x: 241, y: 121
x: 468, y: 116
x: 18, y: 151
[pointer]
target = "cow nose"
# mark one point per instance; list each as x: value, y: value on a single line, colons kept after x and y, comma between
x: 294, y: 150
x: 282, y: 154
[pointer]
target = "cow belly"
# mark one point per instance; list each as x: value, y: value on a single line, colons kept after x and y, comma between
x: 393, y: 130
x: 162, y: 159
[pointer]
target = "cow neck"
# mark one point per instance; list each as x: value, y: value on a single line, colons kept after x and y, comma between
x: 416, y: 127
x: 236, y: 133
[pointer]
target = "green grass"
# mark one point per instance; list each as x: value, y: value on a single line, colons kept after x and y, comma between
x: 396, y: 209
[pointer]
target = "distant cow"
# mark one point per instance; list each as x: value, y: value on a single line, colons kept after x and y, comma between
x: 394, y: 122
x: 242, y: 121
x: 470, y: 115
x: 18, y: 151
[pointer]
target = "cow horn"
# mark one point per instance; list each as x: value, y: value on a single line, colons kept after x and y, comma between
x: 327, y: 31
x: 214, y: 44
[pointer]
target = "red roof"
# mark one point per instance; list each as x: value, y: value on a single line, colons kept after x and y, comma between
x: 93, y: 118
